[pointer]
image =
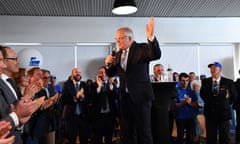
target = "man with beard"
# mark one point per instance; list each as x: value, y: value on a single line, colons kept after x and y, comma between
x: 75, y: 108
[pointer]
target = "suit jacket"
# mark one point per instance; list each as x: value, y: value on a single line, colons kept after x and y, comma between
x: 7, y: 98
x: 136, y: 76
x: 98, y: 99
x: 236, y: 104
x: 39, y: 122
x: 218, y: 106
x: 5, y: 107
x: 68, y: 95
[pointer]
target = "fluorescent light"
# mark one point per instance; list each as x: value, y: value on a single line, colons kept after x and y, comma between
x: 21, y: 44
x: 93, y: 44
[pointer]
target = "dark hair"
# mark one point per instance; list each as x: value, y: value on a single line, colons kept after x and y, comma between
x: 174, y: 78
x: 3, y: 50
x: 192, y: 73
x: 31, y: 71
x: 18, y: 75
x: 53, y: 77
x: 183, y: 74
x: 45, y: 71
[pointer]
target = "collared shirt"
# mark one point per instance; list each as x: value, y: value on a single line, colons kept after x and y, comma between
x: 75, y: 82
x: 4, y: 78
x: 107, y: 109
x: 47, y: 92
x: 218, y: 80
x: 124, y: 58
x: 13, y: 115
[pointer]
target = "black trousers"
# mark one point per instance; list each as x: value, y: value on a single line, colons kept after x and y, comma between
x: 237, y: 132
x: 136, y: 121
x: 189, y: 126
x: 215, y: 126
x: 75, y: 125
x: 104, y: 127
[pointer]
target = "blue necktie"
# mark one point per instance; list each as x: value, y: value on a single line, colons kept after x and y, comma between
x: 215, y: 88
x: 104, y: 99
x: 77, y: 109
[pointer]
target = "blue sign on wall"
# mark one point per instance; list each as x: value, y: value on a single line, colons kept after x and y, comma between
x: 34, y: 61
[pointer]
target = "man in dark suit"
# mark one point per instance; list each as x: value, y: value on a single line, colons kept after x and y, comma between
x: 131, y: 63
x: 158, y: 73
x: 75, y: 111
x: 218, y: 94
x: 17, y: 116
x: 40, y: 121
x: 10, y: 95
x: 104, y: 107
x: 236, y: 106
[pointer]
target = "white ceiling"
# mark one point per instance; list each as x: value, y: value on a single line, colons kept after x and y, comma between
x: 102, y: 8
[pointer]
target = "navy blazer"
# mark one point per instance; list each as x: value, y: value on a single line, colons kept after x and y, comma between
x: 218, y: 106
x: 6, y: 98
x: 69, y: 103
x: 4, y: 103
x: 136, y: 76
x: 98, y: 98
x: 39, y: 122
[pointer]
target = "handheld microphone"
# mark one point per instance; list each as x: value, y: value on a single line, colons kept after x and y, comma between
x: 114, y: 51
x: 113, y: 54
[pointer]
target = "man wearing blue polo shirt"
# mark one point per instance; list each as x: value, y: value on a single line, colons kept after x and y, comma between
x: 186, y: 103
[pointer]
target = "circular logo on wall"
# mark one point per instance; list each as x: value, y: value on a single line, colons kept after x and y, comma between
x: 29, y: 57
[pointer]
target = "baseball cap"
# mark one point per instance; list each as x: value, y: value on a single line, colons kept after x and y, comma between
x: 216, y: 64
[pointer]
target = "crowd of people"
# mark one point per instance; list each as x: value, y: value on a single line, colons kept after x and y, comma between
x: 202, y: 112
x: 35, y: 110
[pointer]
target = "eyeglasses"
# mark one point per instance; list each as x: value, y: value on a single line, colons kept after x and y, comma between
x: 53, y: 77
x: 120, y: 38
x: 16, y: 59
x: 45, y: 78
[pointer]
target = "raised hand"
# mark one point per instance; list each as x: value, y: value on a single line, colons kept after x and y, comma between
x: 150, y: 29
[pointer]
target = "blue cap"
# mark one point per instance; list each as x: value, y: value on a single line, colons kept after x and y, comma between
x: 216, y: 64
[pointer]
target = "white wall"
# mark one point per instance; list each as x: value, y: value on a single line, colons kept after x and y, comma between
x: 60, y: 60
x: 217, y: 38
x: 102, y: 29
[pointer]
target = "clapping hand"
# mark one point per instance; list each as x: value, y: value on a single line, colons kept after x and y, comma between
x: 24, y: 109
x: 188, y: 100
x: 31, y: 89
x: 5, y: 128
x: 99, y: 81
x: 80, y: 93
